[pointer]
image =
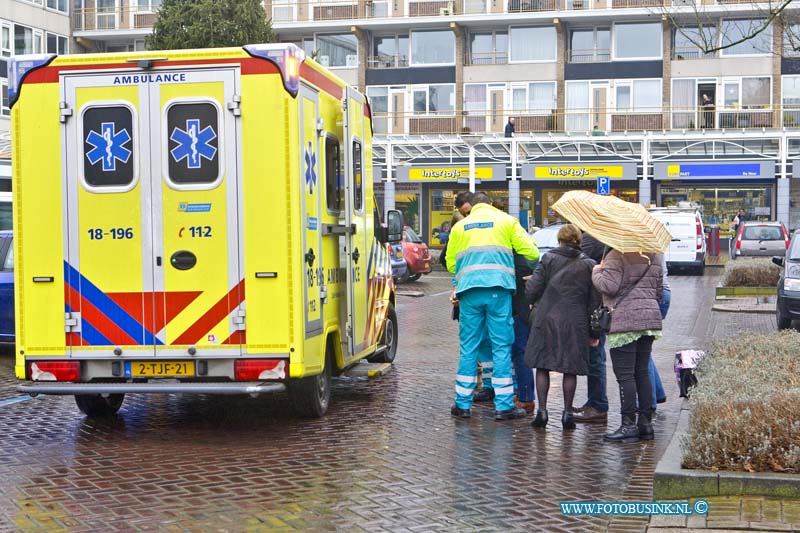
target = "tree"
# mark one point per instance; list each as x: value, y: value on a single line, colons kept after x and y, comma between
x: 209, y: 24
x: 700, y: 28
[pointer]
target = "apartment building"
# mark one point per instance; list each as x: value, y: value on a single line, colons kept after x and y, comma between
x: 596, y: 88
x: 26, y: 27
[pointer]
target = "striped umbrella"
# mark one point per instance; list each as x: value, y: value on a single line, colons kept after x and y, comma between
x: 624, y: 226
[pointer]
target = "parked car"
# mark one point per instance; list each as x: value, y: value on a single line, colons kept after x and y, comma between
x: 788, y: 305
x: 5, y: 211
x: 399, y: 265
x: 760, y: 239
x: 688, y: 247
x: 416, y: 254
x: 547, y: 238
x: 6, y: 288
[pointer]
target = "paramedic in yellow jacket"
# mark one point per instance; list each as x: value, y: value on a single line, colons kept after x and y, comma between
x: 480, y: 253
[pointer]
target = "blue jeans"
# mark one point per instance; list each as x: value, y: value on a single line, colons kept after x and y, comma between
x: 524, y: 374
x: 655, y: 380
x: 596, y: 380
x: 485, y: 312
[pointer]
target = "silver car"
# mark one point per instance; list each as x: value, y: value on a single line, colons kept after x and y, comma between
x: 760, y: 239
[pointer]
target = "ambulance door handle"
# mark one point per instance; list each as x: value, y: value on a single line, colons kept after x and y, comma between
x: 310, y: 257
x: 356, y: 256
x: 158, y: 260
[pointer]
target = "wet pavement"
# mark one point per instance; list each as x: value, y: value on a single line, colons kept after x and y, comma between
x: 388, y: 456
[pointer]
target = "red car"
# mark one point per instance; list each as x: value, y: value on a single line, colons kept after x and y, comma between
x: 416, y: 254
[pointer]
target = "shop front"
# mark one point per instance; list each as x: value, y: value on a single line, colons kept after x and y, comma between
x: 547, y: 182
x: 719, y: 188
x: 438, y: 186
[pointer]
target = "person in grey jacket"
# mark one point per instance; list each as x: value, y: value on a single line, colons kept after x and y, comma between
x: 561, y: 289
x: 631, y: 285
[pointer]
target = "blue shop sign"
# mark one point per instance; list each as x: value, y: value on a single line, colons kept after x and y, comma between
x: 704, y: 170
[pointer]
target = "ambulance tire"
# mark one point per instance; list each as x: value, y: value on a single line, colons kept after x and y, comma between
x: 97, y: 406
x: 415, y: 277
x: 311, y: 396
x: 389, y: 339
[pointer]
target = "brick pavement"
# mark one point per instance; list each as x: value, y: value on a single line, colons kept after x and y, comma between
x: 388, y: 457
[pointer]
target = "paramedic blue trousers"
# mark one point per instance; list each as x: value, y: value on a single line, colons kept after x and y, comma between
x: 655, y: 379
x: 485, y: 312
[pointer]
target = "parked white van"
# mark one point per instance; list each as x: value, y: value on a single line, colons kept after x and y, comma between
x: 688, y: 246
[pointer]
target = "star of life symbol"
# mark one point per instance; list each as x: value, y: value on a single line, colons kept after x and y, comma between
x: 311, y: 163
x: 193, y: 144
x: 108, y: 146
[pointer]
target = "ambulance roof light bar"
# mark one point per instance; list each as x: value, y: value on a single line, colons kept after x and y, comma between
x: 286, y: 56
x: 21, y: 66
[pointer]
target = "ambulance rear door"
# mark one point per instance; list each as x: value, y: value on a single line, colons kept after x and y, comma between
x: 358, y: 247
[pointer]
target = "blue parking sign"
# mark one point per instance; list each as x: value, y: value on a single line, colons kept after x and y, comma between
x: 603, y: 185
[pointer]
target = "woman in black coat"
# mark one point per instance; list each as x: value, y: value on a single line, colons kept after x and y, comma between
x: 561, y: 290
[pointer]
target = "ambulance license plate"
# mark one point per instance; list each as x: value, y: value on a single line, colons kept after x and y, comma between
x: 159, y: 369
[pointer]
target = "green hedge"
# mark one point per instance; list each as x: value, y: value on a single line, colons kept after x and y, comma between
x: 746, y: 407
x: 751, y: 273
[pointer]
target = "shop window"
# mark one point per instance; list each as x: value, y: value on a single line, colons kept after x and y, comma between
x: 433, y: 48
x: 753, y: 43
x: 637, y: 41
x: 532, y: 44
x: 333, y: 174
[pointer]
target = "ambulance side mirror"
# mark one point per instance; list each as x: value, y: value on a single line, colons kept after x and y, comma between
x: 394, y: 226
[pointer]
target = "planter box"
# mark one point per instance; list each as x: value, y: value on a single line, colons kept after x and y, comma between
x: 746, y: 291
x: 672, y: 482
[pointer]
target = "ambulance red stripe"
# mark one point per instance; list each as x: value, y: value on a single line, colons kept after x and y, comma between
x: 101, y: 322
x: 213, y: 316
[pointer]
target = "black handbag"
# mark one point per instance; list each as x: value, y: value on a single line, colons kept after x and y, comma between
x: 600, y: 319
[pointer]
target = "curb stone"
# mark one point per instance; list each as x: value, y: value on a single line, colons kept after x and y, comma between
x: 672, y: 482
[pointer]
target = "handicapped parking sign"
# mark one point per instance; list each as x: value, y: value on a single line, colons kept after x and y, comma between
x: 603, y: 185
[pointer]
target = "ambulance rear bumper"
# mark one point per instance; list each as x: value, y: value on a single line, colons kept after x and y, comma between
x: 151, y: 388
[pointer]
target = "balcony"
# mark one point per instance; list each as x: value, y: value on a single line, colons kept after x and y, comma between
x: 486, y: 58
x: 627, y: 4
x: 387, y: 61
x: 589, y: 55
x: 584, y: 120
x: 691, y: 52
x: 112, y: 19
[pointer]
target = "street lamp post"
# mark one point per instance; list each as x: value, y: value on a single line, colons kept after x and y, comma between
x: 471, y: 140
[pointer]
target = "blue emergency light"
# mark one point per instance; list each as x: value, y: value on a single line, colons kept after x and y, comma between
x: 286, y: 56
x: 21, y: 66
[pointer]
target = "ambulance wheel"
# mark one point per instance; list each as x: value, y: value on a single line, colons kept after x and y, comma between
x: 784, y: 322
x: 389, y: 339
x: 311, y: 396
x: 96, y: 405
x: 415, y: 277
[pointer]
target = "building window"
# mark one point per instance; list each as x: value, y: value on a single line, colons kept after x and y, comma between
x: 735, y: 30
x: 389, y: 52
x: 637, y: 41
x: 147, y: 5
x: 747, y: 93
x: 488, y: 48
x: 433, y: 48
x: 56, y: 44
x: 379, y: 104
x: 530, y: 44
x: 333, y: 174
x: 791, y: 101
x: 434, y: 99
x: 577, y: 95
x: 23, y: 40
x: 791, y: 40
x: 639, y: 96
x: 4, y: 109
x: 590, y: 45
x: 688, y: 43
x: 339, y: 50
x: 534, y: 98
x: 58, y: 5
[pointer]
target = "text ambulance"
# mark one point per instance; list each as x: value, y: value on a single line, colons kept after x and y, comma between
x: 195, y: 221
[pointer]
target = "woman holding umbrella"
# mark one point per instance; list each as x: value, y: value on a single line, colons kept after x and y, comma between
x: 630, y: 281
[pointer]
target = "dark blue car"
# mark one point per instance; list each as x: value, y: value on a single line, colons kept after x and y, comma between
x: 6, y: 288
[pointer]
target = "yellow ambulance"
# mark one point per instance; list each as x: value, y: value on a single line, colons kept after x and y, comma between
x: 195, y: 221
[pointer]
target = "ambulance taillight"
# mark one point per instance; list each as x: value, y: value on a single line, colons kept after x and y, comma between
x: 54, y: 370
x: 287, y: 57
x: 21, y: 66
x: 259, y: 369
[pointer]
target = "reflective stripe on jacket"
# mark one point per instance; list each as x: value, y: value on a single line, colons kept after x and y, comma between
x: 481, y: 249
